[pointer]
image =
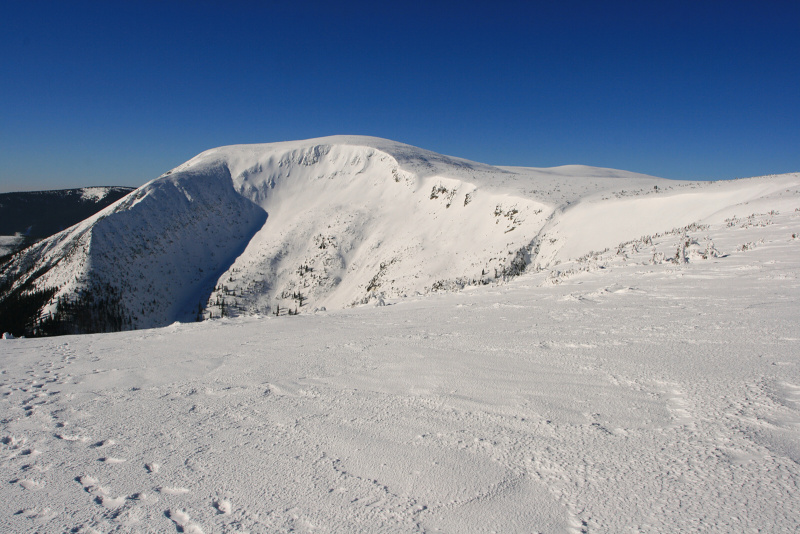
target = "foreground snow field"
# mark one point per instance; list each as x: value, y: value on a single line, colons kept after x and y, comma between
x: 616, y: 393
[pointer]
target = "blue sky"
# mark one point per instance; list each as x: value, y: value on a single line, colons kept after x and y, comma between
x: 116, y: 93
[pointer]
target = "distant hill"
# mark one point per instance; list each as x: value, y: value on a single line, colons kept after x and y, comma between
x: 26, y: 217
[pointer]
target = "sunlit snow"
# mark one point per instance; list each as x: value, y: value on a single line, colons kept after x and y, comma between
x: 641, y: 375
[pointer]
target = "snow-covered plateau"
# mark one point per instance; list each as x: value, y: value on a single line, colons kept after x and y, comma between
x: 504, y: 350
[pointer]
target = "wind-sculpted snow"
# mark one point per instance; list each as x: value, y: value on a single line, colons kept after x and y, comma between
x: 334, y: 222
x: 651, y: 387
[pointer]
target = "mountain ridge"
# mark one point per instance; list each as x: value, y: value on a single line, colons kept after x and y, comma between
x: 335, y: 222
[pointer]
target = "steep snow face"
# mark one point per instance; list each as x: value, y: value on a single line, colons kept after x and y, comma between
x: 345, y: 220
x: 350, y: 223
x: 333, y: 221
x: 148, y: 257
x: 181, y: 232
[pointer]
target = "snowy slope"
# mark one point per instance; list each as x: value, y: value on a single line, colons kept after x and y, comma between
x: 365, y: 219
x: 606, y: 219
x: 631, y: 392
x: 149, y: 251
x: 341, y: 221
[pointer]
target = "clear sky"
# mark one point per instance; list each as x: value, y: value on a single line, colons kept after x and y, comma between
x: 117, y: 92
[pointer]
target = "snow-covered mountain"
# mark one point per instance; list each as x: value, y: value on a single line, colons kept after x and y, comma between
x: 628, y: 390
x: 340, y: 221
x: 642, y: 374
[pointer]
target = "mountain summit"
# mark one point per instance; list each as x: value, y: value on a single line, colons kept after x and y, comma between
x: 329, y: 222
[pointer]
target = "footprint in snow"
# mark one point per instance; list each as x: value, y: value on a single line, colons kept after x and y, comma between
x: 183, y: 522
x: 31, y: 485
x: 111, y: 503
x: 92, y: 486
x: 223, y: 506
x: 37, y: 514
x: 11, y: 441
